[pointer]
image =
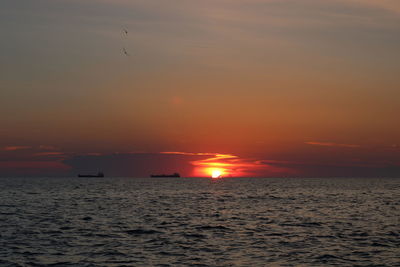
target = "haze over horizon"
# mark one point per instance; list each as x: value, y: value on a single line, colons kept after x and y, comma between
x: 254, y: 88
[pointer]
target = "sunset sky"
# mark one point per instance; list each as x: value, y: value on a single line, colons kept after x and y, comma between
x: 253, y: 88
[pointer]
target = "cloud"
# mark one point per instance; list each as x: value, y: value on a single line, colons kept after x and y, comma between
x: 330, y: 144
x: 205, y: 162
x: 201, y: 164
x: 50, y: 154
x: 40, y: 147
x: 232, y: 165
x: 195, y: 164
x: 188, y: 153
x: 14, y: 148
x: 188, y: 164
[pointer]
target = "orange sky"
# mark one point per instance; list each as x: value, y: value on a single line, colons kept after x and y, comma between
x: 287, y: 88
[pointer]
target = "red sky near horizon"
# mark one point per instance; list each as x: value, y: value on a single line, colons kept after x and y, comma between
x: 254, y: 88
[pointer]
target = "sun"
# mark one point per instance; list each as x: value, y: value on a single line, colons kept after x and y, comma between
x: 216, y: 174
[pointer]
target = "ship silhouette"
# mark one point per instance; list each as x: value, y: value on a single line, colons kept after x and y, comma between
x: 165, y: 175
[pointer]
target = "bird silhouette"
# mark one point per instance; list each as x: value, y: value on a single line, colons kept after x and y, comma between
x: 125, y: 52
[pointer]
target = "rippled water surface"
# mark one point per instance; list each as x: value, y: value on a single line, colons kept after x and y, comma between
x: 199, y: 222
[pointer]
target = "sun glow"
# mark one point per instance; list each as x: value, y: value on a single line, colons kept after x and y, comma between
x: 216, y: 165
x: 216, y: 174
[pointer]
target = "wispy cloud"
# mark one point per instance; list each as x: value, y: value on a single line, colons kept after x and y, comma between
x: 232, y: 165
x: 20, y: 147
x: 189, y: 153
x: 14, y: 148
x: 331, y: 144
x: 50, y: 154
x: 197, y: 164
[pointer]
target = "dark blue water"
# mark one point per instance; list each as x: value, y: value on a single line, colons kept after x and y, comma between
x: 199, y: 222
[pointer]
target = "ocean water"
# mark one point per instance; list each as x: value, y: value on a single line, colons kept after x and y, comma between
x: 199, y: 222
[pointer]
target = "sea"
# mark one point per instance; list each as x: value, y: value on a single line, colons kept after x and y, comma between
x: 199, y: 222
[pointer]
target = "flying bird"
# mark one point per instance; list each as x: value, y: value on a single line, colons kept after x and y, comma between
x: 125, y: 33
x: 125, y: 52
